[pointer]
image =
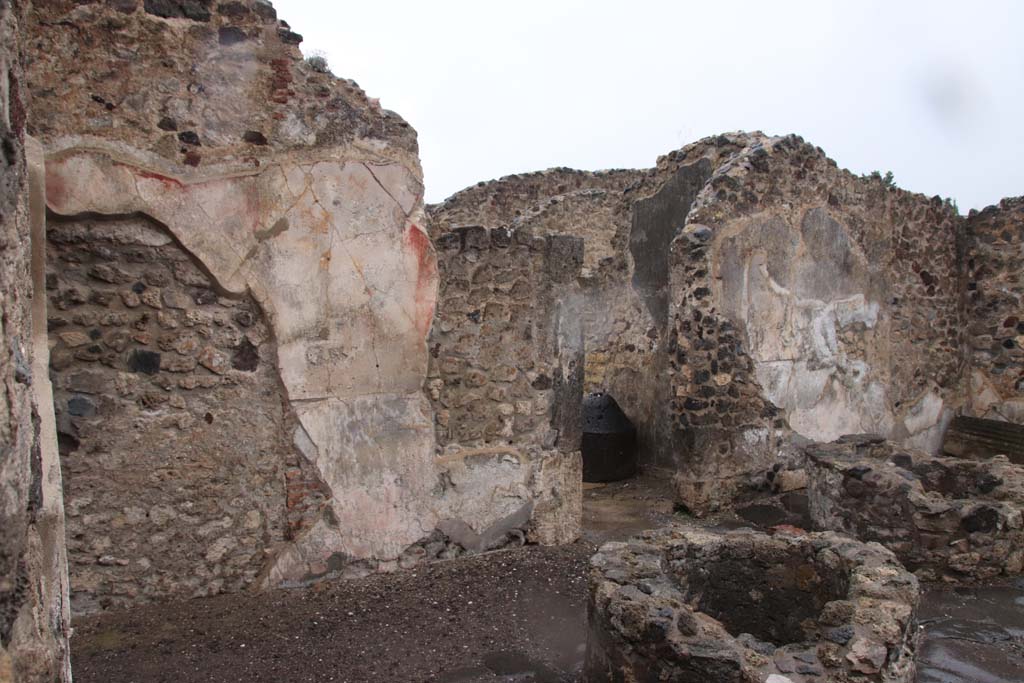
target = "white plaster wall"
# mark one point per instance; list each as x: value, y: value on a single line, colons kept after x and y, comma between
x: 814, y: 310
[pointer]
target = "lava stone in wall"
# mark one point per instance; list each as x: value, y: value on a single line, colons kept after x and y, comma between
x: 171, y: 420
x: 994, y: 292
x: 506, y: 348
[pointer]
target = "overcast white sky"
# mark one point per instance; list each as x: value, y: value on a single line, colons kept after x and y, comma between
x: 933, y: 91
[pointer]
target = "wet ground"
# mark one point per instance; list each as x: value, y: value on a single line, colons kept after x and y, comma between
x: 515, y: 616
x: 973, y: 635
x: 617, y: 511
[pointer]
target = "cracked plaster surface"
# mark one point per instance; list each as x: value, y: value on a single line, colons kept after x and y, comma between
x: 333, y: 249
x: 817, y: 332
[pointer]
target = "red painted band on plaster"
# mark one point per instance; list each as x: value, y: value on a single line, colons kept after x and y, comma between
x: 426, y: 277
x: 166, y: 180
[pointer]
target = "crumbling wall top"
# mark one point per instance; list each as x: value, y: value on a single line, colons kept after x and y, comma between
x: 194, y: 82
x: 497, y: 203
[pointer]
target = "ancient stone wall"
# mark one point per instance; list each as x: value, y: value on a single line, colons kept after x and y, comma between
x: 291, y: 189
x: 995, y: 316
x: 746, y: 287
x: 620, y: 334
x: 807, y: 298
x: 495, y: 345
x: 242, y: 292
x: 34, y: 617
x: 171, y: 417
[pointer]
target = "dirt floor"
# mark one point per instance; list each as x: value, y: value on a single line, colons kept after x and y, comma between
x: 478, y: 618
x: 516, y: 616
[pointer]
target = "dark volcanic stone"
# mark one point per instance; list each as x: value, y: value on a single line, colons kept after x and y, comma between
x: 903, y: 461
x: 196, y: 10
x: 501, y: 237
x: 231, y: 35
x: 265, y: 10
x: 80, y: 406
x: 232, y: 9
x: 246, y: 357
x: 205, y: 297
x: 146, y: 362
x: 473, y: 237
x: 984, y: 519
x: 841, y: 634
x: 858, y: 472
x: 125, y: 6
x: 254, y: 137
x: 763, y: 515
x: 988, y: 482
x: 290, y: 37
x: 542, y: 383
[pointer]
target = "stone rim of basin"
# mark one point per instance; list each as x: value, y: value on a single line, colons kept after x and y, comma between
x: 646, y: 617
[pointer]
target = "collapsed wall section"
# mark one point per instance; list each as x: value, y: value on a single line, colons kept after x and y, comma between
x: 947, y: 519
x: 995, y: 316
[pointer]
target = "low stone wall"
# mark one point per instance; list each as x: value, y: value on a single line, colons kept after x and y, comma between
x: 744, y: 607
x: 945, y: 518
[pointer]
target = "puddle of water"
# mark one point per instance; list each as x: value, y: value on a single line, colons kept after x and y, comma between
x: 516, y: 666
x: 467, y: 674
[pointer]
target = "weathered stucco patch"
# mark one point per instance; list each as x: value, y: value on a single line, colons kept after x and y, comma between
x: 349, y: 296
x: 809, y: 302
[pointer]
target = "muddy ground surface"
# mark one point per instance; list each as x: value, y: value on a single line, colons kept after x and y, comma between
x: 516, y: 616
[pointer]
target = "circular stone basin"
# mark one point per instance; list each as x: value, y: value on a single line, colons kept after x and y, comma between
x: 742, y: 606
